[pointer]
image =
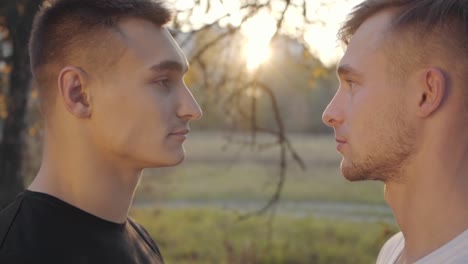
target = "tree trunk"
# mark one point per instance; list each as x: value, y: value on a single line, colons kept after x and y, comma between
x: 19, y: 20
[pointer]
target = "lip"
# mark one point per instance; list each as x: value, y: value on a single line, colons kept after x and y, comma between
x: 181, y: 132
x: 180, y: 135
x: 341, y: 143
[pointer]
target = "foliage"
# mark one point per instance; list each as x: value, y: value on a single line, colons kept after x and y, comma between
x: 15, y: 25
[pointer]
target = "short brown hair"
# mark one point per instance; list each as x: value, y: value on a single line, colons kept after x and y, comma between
x: 423, y: 14
x: 439, y: 25
x: 73, y: 31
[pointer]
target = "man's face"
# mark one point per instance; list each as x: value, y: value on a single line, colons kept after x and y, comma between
x: 141, y: 106
x: 368, y: 112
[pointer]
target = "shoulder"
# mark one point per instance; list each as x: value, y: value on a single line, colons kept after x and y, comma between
x: 144, y: 235
x: 26, y: 227
x: 139, y: 228
x: 454, y: 252
x: 9, y: 212
x: 7, y: 218
x: 392, y: 249
x: 10, y: 251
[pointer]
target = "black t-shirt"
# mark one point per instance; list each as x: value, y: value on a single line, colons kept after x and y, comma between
x: 39, y: 228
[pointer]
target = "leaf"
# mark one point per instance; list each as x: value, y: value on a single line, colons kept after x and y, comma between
x: 319, y: 72
x: 3, y: 107
x: 20, y: 9
x: 3, y: 114
x: 190, y: 78
x: 34, y: 93
x: 5, y: 68
x: 32, y: 131
x: 2, y: 100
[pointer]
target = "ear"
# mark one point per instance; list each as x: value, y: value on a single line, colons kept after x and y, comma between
x: 432, y: 91
x: 74, y: 92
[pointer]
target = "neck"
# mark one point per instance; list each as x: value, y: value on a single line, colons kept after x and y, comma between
x: 76, y: 174
x: 430, y: 205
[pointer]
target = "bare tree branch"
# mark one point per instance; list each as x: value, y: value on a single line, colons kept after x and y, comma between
x: 230, y: 79
x: 213, y: 42
x: 254, y: 7
x: 283, y: 158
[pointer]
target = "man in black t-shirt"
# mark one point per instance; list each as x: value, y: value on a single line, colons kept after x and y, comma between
x: 110, y: 80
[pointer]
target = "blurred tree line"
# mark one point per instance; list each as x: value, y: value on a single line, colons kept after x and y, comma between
x: 286, y: 93
x: 15, y: 25
x: 301, y: 84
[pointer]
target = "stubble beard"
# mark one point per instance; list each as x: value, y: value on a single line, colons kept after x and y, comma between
x: 389, y: 163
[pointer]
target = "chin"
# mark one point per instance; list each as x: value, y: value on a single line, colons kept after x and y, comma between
x: 351, y: 177
x: 353, y: 173
x: 176, y: 161
x: 363, y: 172
x: 170, y: 160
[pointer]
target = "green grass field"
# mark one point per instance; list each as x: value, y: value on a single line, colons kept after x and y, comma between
x: 192, y: 210
x: 241, y: 174
x: 201, y: 236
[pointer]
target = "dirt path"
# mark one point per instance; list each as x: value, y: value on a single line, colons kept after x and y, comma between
x: 328, y: 210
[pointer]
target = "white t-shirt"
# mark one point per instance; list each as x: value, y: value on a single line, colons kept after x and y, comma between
x: 454, y: 252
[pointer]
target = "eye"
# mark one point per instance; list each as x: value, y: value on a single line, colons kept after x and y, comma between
x: 165, y: 83
x: 351, y: 84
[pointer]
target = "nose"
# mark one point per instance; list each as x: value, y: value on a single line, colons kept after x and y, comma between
x: 188, y: 107
x: 333, y: 115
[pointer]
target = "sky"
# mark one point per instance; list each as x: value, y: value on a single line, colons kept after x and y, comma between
x: 320, y: 37
x: 323, y: 38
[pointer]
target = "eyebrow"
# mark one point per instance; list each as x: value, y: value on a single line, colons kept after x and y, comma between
x: 170, y: 65
x: 347, y: 70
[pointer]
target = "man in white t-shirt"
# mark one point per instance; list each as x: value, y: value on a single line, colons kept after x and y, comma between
x: 400, y: 116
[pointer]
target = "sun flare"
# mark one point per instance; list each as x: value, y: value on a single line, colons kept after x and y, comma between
x: 258, y: 32
x: 256, y: 53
